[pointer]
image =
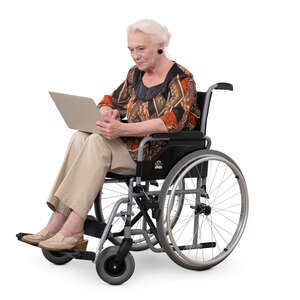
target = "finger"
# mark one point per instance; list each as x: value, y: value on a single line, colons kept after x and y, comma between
x: 107, y: 119
x: 101, y: 124
x: 114, y: 114
x: 101, y: 130
x: 106, y: 115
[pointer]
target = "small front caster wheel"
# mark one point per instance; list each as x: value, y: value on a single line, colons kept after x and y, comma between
x: 56, y: 257
x: 111, y: 272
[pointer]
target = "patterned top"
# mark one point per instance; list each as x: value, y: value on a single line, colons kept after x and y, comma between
x: 174, y: 101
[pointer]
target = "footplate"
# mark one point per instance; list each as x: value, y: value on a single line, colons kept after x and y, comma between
x: 84, y: 255
x: 20, y: 235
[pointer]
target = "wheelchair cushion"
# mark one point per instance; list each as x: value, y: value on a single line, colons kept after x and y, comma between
x: 180, y: 136
x: 119, y: 176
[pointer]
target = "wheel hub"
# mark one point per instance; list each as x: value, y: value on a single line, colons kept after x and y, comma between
x: 114, y: 268
x: 202, y: 208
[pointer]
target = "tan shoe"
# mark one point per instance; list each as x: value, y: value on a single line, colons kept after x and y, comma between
x: 34, y: 239
x: 60, y: 243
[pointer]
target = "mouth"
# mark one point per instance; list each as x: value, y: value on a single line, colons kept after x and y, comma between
x: 139, y: 63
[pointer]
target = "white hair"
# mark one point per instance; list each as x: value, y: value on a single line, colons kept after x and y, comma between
x: 156, y: 32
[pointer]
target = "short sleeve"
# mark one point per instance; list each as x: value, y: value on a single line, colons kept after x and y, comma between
x: 106, y: 101
x: 181, y: 98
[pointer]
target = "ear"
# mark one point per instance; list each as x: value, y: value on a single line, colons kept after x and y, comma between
x: 162, y: 45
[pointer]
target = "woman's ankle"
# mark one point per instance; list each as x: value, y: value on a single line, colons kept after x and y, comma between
x: 73, y: 225
x: 56, y: 223
x: 67, y: 233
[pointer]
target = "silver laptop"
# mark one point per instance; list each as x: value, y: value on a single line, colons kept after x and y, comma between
x: 79, y: 113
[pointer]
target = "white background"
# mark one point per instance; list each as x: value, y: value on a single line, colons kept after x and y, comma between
x: 80, y: 47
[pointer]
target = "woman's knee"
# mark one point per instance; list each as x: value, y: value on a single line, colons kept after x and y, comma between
x: 80, y: 136
x: 95, y: 137
x: 98, y: 141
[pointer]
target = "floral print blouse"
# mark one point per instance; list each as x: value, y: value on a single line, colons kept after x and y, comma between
x: 174, y: 101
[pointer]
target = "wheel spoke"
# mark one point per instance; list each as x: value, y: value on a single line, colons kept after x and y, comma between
x: 218, y: 203
x: 225, y: 192
x: 109, y: 205
x: 214, y: 178
x: 226, y: 210
x: 213, y: 225
x: 115, y: 191
x: 185, y: 225
x: 218, y: 187
x: 110, y: 197
x: 227, y: 218
x: 221, y: 183
x: 122, y: 187
x: 225, y: 230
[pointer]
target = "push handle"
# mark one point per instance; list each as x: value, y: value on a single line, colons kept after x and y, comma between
x: 224, y: 86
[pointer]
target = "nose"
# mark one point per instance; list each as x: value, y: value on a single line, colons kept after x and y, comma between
x: 135, y: 55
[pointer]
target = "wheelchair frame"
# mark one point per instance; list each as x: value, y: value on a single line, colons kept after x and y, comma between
x: 159, y: 167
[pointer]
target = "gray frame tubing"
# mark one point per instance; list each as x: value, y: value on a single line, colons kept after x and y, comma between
x: 206, y: 106
x: 108, y: 225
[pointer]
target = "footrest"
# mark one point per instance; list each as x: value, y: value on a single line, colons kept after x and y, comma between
x: 93, y: 227
x: 84, y: 255
x: 20, y: 235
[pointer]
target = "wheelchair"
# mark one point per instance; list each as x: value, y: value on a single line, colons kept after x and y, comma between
x: 188, y: 201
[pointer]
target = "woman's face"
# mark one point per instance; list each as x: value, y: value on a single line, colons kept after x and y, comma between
x: 143, y: 51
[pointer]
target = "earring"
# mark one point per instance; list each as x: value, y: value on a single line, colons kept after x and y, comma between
x: 160, y: 51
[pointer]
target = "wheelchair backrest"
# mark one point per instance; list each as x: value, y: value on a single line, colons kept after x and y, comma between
x: 203, y: 101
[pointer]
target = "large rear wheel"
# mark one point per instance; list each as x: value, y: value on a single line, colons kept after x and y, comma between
x: 214, y: 212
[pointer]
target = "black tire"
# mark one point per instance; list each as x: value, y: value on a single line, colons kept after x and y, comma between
x: 111, y: 274
x: 171, y: 239
x: 55, y: 257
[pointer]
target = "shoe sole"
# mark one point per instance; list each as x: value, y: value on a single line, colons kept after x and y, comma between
x: 35, y: 243
x: 31, y: 243
x: 80, y: 246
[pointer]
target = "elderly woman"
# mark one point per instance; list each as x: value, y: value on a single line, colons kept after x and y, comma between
x: 157, y: 96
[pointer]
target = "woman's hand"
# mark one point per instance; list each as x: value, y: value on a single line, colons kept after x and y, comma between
x: 111, y: 127
x: 110, y: 114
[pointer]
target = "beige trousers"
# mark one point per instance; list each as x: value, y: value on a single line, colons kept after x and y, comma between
x: 88, y: 158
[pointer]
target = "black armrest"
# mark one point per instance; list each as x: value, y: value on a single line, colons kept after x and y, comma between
x: 224, y: 86
x: 179, y: 136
